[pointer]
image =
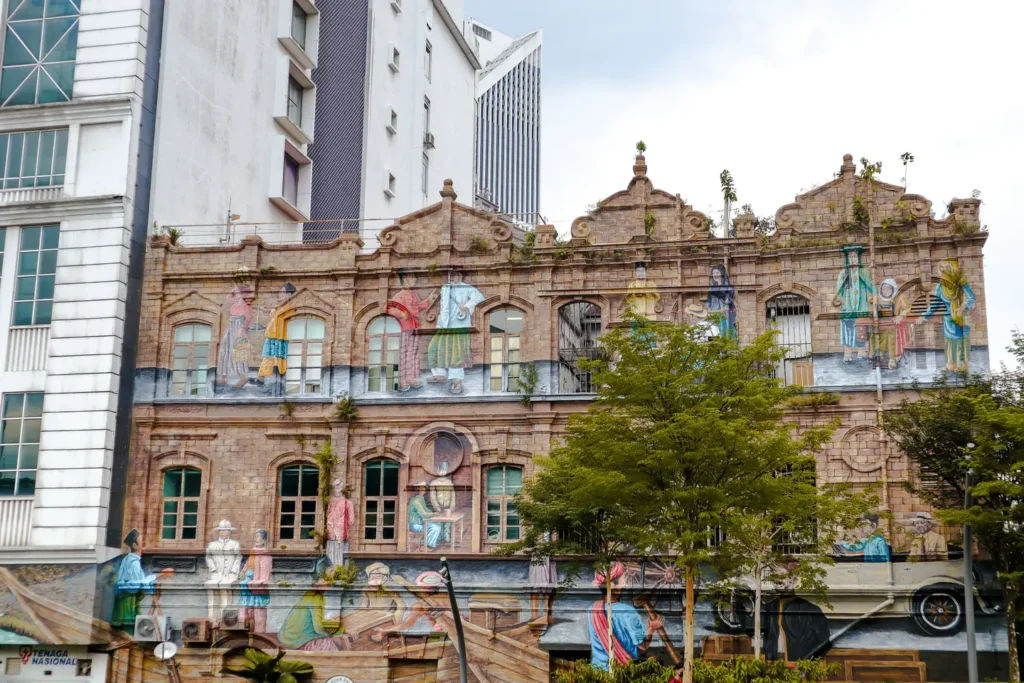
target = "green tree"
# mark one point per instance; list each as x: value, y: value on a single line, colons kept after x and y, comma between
x: 262, y: 668
x: 975, y: 423
x: 684, y: 438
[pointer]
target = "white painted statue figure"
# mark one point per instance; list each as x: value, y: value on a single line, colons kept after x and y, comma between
x: 224, y: 561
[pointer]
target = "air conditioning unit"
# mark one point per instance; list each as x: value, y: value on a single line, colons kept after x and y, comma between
x: 152, y: 629
x: 428, y: 140
x: 231, y: 620
x: 195, y: 631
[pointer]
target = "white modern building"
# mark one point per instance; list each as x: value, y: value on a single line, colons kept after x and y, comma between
x: 77, y: 120
x: 396, y: 84
x: 508, y: 119
x: 235, y: 119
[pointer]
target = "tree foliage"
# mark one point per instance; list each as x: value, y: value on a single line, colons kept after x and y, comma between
x: 975, y: 423
x: 683, y: 444
x: 262, y: 668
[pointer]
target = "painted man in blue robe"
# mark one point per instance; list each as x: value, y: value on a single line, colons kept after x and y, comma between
x: 872, y: 547
x: 954, y: 299
x: 133, y: 583
x: 854, y: 294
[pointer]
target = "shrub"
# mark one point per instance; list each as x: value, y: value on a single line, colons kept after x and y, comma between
x: 733, y: 671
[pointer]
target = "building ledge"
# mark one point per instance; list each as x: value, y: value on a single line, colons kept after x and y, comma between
x: 290, y: 209
x: 58, y: 554
x: 301, y: 57
x: 289, y: 127
x: 59, y: 209
x: 58, y: 114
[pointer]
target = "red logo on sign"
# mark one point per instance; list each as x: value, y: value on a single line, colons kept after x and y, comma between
x: 26, y: 654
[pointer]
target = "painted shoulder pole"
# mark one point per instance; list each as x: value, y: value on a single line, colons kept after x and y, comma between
x: 460, y: 638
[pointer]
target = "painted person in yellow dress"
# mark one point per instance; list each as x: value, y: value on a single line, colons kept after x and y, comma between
x: 275, y: 345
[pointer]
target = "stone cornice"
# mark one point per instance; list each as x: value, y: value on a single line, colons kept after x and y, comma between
x: 60, y: 114
x: 56, y: 211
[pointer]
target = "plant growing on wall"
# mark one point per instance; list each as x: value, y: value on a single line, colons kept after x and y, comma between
x: 527, y: 383
x: 641, y: 147
x: 907, y: 158
x: 325, y: 461
x: 479, y: 245
x: 262, y: 668
x: 345, y: 410
x: 287, y: 408
x: 174, y: 235
x: 649, y: 221
x: 861, y: 217
x: 869, y: 170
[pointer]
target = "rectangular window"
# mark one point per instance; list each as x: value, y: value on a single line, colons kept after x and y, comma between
x: 298, y: 492
x: 33, y: 159
x: 426, y: 174
x: 299, y: 25
x: 481, y: 31
x: 19, y: 443
x: 39, y: 51
x: 37, y: 268
x: 305, y: 356
x: 428, y: 60
x: 290, y: 186
x: 380, y: 500
x: 505, y: 327
x: 191, y: 360
x: 3, y: 239
x: 181, y: 504
x: 503, y: 483
x: 426, y: 116
x: 295, y: 93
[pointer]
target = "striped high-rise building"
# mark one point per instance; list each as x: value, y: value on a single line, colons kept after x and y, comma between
x: 508, y: 119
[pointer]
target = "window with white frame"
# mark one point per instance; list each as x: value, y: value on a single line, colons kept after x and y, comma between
x: 40, y: 43
x: 391, y: 184
x: 503, y: 483
x: 426, y: 117
x: 305, y: 356
x: 383, y: 345
x: 428, y: 60
x: 425, y: 182
x: 37, y: 268
x: 790, y: 316
x: 182, y: 487
x: 19, y: 443
x: 299, y: 21
x: 298, y: 497
x: 33, y: 159
x: 505, y: 329
x: 191, y: 360
x: 295, y: 93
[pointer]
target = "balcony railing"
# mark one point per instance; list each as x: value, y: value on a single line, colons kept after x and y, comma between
x: 15, y: 521
x: 28, y: 195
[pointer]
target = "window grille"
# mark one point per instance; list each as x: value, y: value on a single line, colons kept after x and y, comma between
x: 790, y: 315
x: 579, y: 326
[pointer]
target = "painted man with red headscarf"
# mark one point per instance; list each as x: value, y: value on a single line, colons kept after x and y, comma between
x: 406, y: 306
x: 629, y: 636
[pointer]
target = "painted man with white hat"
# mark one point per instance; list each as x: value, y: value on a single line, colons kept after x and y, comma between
x: 928, y: 544
x: 224, y: 561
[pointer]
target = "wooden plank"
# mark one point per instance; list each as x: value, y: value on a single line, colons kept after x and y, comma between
x: 874, y: 654
x: 879, y: 672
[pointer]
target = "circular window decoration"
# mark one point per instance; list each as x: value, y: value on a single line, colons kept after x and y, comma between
x: 863, y: 450
x: 443, y: 453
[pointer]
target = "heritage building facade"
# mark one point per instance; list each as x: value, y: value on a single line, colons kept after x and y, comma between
x: 410, y: 365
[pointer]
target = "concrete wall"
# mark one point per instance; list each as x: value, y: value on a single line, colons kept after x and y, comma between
x: 224, y: 81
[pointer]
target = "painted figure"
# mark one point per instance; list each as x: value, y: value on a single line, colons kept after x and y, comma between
x: 642, y: 297
x: 854, y: 292
x: 872, y: 546
x: 928, y: 544
x: 341, y: 515
x: 381, y: 608
x: 722, y: 300
x: 223, y: 560
x: 255, y: 577
x: 542, y: 582
x: 275, y: 345
x: 419, y: 512
x: 303, y: 627
x: 954, y: 299
x: 133, y: 583
x: 449, y: 352
x: 696, y: 315
x: 406, y: 307
x: 893, y: 334
x: 233, y: 356
x: 794, y: 628
x: 628, y: 635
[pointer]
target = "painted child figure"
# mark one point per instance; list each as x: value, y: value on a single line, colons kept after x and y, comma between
x: 255, y: 598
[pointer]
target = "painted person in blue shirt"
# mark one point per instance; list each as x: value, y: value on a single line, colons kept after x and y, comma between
x: 872, y: 547
x: 133, y: 583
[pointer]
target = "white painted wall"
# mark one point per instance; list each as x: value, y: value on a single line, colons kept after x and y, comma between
x: 224, y: 76
x: 452, y: 115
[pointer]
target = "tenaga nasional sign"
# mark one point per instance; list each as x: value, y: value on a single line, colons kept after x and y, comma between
x: 53, y: 662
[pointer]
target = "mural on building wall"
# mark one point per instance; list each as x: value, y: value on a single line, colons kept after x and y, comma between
x: 870, y: 544
x: 223, y: 562
x: 440, y: 504
x: 254, y: 592
x: 954, y: 300
x: 235, y: 353
x: 642, y: 294
x: 854, y: 294
x: 274, y: 355
x: 406, y: 306
x: 133, y: 584
x: 722, y: 300
x: 449, y: 352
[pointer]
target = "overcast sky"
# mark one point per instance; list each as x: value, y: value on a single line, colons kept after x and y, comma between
x: 777, y: 92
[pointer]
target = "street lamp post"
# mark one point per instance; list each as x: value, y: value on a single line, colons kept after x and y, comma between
x: 458, y: 620
x: 972, y: 651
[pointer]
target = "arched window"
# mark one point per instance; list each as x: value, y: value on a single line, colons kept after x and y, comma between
x: 181, y: 491
x: 503, y: 482
x: 790, y: 315
x: 297, y: 506
x: 384, y: 343
x: 505, y: 327
x: 380, y: 500
x: 579, y: 326
x: 191, y: 357
x: 305, y: 356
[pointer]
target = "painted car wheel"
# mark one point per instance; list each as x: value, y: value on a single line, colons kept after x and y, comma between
x: 939, y: 611
x: 733, y: 616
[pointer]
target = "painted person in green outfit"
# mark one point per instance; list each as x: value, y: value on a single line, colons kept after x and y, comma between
x: 133, y: 583
x: 418, y: 512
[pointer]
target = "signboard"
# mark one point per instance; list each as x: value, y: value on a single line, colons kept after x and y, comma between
x: 339, y: 679
x: 52, y: 662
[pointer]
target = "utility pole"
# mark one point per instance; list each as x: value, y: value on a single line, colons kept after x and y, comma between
x: 972, y: 649
x: 458, y: 620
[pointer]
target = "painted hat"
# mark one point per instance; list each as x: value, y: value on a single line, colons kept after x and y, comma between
x: 224, y: 525
x: 132, y: 536
x: 378, y: 568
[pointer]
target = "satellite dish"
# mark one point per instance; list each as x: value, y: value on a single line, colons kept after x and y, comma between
x: 165, y: 650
